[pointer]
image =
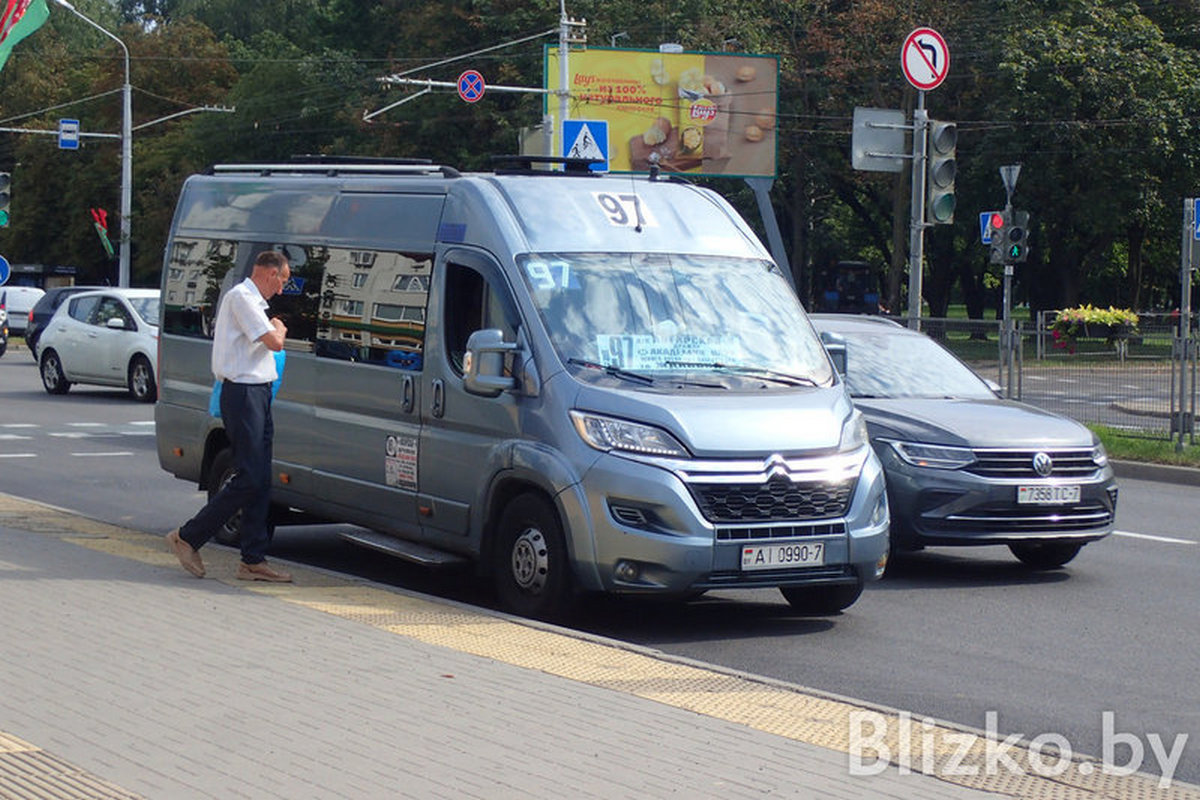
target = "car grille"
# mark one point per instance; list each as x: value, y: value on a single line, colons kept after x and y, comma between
x: 776, y: 500
x: 1075, y: 463
x: 1007, y: 519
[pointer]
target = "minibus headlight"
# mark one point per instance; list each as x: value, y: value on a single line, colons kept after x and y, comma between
x: 610, y: 433
x: 934, y: 456
x: 1099, y: 455
x: 854, y: 432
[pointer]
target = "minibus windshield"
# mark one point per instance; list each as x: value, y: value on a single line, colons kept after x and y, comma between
x: 652, y: 313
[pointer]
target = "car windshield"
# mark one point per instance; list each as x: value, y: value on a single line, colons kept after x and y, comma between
x: 669, y: 313
x: 896, y: 364
x: 146, y: 308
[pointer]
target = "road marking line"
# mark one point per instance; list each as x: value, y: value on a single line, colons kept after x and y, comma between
x: 1167, y: 539
x: 18, y: 425
x: 142, y: 422
x: 18, y: 455
x: 118, y: 453
x: 86, y: 424
x: 11, y: 437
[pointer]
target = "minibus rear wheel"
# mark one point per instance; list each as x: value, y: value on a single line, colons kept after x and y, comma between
x: 220, y: 472
x: 531, y: 570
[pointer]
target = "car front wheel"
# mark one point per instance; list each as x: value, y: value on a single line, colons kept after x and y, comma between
x: 52, y: 374
x: 141, y: 380
x: 1045, y: 555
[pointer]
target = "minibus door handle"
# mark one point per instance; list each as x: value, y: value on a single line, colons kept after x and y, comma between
x: 408, y: 394
x: 439, y: 398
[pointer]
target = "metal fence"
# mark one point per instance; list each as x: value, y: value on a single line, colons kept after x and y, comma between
x: 1141, y: 381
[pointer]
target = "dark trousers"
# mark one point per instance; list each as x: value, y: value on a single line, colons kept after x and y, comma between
x: 246, y: 411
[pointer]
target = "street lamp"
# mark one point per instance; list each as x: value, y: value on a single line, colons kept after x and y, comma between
x: 126, y: 149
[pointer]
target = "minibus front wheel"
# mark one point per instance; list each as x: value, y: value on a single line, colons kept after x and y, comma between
x: 531, y: 570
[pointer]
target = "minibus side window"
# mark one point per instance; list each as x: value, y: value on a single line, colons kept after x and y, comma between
x: 371, y: 307
x: 196, y: 272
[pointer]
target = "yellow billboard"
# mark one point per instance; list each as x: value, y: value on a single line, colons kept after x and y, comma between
x: 693, y: 113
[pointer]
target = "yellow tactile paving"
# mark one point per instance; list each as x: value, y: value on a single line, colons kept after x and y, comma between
x: 954, y: 755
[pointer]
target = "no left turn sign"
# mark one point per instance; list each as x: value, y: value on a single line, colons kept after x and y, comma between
x: 925, y: 58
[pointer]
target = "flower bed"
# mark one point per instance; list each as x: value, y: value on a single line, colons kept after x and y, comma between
x: 1111, y: 324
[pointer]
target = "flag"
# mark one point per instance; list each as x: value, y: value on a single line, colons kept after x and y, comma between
x: 18, y: 19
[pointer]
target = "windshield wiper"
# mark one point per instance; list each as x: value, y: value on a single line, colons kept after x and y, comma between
x: 616, y: 372
x: 756, y: 372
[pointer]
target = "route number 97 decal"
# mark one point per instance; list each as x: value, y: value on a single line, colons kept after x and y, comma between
x: 625, y: 210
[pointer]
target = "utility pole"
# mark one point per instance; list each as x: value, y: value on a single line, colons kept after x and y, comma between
x: 916, y: 236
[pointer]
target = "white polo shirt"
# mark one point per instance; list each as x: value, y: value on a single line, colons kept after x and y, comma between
x: 237, y: 355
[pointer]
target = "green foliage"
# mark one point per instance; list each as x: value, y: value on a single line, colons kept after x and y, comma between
x: 1098, y: 99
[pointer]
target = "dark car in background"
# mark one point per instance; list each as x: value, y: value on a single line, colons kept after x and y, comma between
x: 44, y: 309
x: 964, y: 466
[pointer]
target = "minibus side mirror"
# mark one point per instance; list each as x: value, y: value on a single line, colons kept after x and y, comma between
x: 483, y: 363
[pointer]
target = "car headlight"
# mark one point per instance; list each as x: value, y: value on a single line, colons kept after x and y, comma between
x: 1099, y: 455
x: 610, y: 433
x: 933, y: 456
x: 854, y: 432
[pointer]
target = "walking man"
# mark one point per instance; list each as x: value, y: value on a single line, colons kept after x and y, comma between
x: 244, y: 344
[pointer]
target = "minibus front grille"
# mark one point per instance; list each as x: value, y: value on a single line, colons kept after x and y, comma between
x: 748, y: 533
x: 775, y: 500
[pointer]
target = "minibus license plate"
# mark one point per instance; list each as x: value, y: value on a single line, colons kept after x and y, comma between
x: 1047, y: 495
x: 782, y: 556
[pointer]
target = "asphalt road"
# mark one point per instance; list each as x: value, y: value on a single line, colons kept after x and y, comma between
x: 961, y: 635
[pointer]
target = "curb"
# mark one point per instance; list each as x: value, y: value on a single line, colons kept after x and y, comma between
x: 1162, y: 473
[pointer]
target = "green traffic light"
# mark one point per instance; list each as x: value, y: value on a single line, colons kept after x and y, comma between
x: 942, y: 208
x: 3, y: 219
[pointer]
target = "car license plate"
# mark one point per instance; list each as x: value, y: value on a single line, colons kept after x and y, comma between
x: 782, y: 556
x: 1047, y: 495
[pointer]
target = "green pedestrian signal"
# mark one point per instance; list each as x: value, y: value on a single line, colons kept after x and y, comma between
x: 5, y: 197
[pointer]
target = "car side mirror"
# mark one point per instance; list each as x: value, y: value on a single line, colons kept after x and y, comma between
x: 116, y: 323
x: 484, y: 363
x: 835, y: 346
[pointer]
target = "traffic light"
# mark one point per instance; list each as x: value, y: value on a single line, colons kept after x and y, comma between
x: 5, y: 197
x: 1018, y: 238
x: 941, y: 169
x: 1010, y: 236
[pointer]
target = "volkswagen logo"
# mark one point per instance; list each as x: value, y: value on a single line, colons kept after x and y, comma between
x: 1043, y: 464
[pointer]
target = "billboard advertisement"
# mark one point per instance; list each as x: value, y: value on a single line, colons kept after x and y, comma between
x: 693, y: 113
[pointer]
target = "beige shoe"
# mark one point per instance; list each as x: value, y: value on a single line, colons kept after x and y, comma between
x: 187, y: 555
x: 262, y: 572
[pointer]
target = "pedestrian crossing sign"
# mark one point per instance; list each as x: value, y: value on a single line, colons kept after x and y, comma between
x: 586, y: 138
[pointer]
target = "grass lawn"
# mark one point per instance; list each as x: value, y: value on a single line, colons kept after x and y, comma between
x: 1124, y: 447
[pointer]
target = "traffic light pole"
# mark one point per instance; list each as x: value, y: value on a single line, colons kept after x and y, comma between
x: 916, y: 238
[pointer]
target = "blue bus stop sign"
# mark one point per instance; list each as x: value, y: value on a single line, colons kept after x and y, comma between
x: 5, y: 271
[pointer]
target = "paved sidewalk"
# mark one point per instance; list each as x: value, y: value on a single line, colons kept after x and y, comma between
x: 122, y: 677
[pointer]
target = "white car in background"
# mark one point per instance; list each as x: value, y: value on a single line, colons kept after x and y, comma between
x: 107, y: 337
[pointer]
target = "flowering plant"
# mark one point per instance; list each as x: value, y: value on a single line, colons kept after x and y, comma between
x: 1113, y: 323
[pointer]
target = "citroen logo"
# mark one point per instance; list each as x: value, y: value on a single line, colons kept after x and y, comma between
x: 1043, y: 464
x: 776, y: 466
